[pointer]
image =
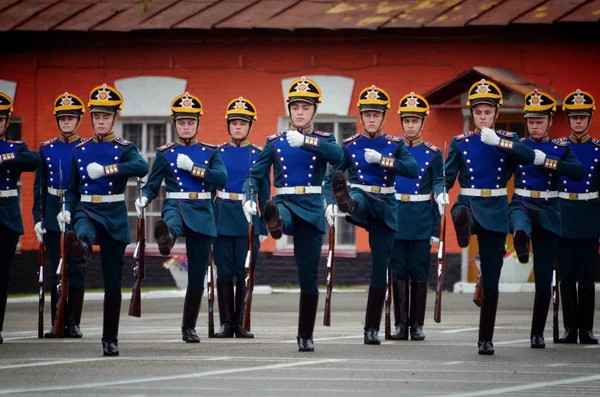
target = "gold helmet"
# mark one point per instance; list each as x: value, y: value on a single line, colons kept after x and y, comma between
x: 68, y: 105
x: 484, y: 91
x: 374, y: 99
x: 105, y: 99
x: 304, y: 89
x: 539, y: 104
x: 579, y: 103
x: 186, y: 106
x: 6, y: 105
x: 413, y: 105
x: 241, y: 109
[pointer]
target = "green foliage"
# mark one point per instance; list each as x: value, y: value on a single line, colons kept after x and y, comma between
x: 145, y: 5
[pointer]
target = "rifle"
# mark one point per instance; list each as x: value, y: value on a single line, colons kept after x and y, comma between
x: 249, y: 266
x: 555, y: 303
x: 441, y: 254
x: 211, y: 296
x: 478, y: 291
x: 62, y: 289
x: 139, y: 270
x: 388, y: 304
x: 330, y: 273
x: 41, y: 274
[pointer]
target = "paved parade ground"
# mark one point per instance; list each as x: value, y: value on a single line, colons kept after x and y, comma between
x: 155, y: 362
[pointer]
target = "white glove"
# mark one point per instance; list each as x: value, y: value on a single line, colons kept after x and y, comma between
x: 442, y: 200
x: 95, y: 170
x: 262, y: 238
x: 249, y: 210
x: 540, y: 157
x: 434, y: 240
x: 140, y: 204
x: 372, y: 156
x: 39, y: 231
x: 489, y: 137
x: 330, y: 213
x: 63, y: 218
x: 294, y: 138
x: 184, y: 162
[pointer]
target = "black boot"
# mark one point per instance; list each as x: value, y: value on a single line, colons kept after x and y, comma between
x: 418, y: 303
x: 110, y: 330
x: 164, y: 236
x: 541, y: 304
x: 191, y: 308
x: 568, y: 295
x: 273, y: 220
x: 225, y: 297
x: 74, y: 314
x: 375, y: 303
x: 462, y: 226
x: 79, y: 248
x: 240, y: 295
x: 587, y: 297
x: 307, y: 315
x: 343, y: 198
x: 3, y: 298
x: 487, y: 321
x: 521, y: 243
x: 400, y: 296
x: 53, y: 302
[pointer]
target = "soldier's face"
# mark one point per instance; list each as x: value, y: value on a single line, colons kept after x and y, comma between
x: 2, y: 124
x: 102, y: 123
x: 372, y: 121
x: 186, y: 128
x: 579, y: 124
x: 301, y: 113
x: 484, y: 115
x: 239, y: 129
x: 538, y: 126
x: 68, y: 124
x: 412, y: 126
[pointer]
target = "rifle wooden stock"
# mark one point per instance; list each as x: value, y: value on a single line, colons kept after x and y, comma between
x: 41, y: 300
x: 330, y: 274
x: 477, y: 294
x: 139, y: 271
x: 211, y: 296
x: 388, y: 304
x: 441, y: 271
x: 58, y: 328
x: 555, y: 304
x: 246, y: 322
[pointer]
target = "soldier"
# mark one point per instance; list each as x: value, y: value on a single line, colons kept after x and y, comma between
x: 54, y: 154
x: 15, y: 158
x: 484, y: 158
x: 299, y: 157
x: 191, y: 170
x: 100, y: 169
x: 231, y: 245
x: 580, y: 210
x: 534, y: 210
x: 373, y: 160
x: 418, y: 222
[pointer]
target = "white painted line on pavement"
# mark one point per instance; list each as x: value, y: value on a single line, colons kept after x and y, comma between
x: 456, y: 331
x: 96, y: 385
x: 45, y: 363
x: 453, y: 363
x: 512, y: 342
x: 357, y: 336
x: 592, y: 347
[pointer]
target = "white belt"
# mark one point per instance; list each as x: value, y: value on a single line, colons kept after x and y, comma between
x: 375, y: 189
x: 536, y: 194
x: 299, y: 190
x: 412, y: 197
x: 9, y: 193
x: 483, y: 192
x: 189, y: 195
x: 578, y: 196
x: 96, y: 198
x: 231, y: 196
x: 55, y: 192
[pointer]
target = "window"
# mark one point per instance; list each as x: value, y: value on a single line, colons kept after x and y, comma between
x: 342, y: 127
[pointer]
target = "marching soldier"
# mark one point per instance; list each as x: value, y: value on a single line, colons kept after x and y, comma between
x: 191, y: 170
x: 418, y: 222
x: 299, y: 157
x: 231, y: 245
x: 15, y: 158
x: 534, y: 209
x: 373, y: 160
x: 100, y: 169
x: 580, y: 210
x: 56, y: 153
x: 483, y: 162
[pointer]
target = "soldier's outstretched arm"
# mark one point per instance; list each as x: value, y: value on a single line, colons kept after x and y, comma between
x: 327, y: 182
x: 261, y: 169
x: 23, y: 160
x: 131, y: 163
x: 436, y: 172
x: 39, y: 196
x: 326, y: 148
x: 516, y: 151
x: 454, y: 164
x: 159, y: 170
x: 264, y: 194
x: 568, y: 165
x: 216, y: 173
x: 72, y: 195
x: 404, y: 165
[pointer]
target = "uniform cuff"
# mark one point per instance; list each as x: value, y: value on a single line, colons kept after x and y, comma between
x: 111, y: 169
x: 550, y: 163
x: 387, y: 162
x: 506, y: 144
x: 198, y: 172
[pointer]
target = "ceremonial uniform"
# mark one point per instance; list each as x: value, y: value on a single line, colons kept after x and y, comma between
x: 100, y: 169
x: 230, y: 248
x: 15, y: 158
x: 52, y: 179
x: 299, y: 157
x: 483, y: 162
x: 373, y: 160
x: 418, y: 222
x: 192, y: 172
x: 534, y: 210
x: 580, y: 228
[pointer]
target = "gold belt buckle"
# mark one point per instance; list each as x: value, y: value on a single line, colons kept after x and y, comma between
x: 0, y: 193
x: 405, y: 197
x: 535, y: 194
x: 96, y: 199
x: 234, y: 196
x: 486, y: 193
x: 299, y: 189
x: 193, y: 195
x: 573, y: 196
x: 375, y: 189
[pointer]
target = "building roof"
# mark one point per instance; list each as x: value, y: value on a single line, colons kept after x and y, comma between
x: 139, y: 15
